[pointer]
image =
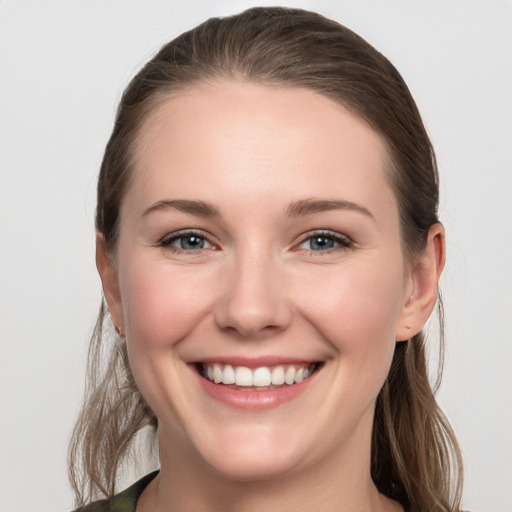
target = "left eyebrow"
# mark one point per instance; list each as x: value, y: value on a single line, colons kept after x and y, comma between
x: 308, y: 206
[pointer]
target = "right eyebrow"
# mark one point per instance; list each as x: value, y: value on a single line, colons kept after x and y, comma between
x: 184, y: 205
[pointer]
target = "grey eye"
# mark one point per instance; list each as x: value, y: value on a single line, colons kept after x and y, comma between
x: 187, y: 242
x: 326, y: 242
x: 190, y: 242
x: 321, y: 243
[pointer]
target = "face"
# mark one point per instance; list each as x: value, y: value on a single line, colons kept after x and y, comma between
x: 259, y: 278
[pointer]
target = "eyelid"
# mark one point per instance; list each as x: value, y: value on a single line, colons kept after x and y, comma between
x: 344, y: 241
x: 167, y: 240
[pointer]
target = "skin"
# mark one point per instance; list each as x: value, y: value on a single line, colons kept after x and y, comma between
x: 259, y: 288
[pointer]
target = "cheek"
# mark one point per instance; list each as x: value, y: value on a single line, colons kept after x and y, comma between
x: 357, y: 309
x: 162, y: 304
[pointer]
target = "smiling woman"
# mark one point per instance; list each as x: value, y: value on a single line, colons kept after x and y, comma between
x: 268, y: 243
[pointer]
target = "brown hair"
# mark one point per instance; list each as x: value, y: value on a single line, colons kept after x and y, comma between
x: 415, y: 456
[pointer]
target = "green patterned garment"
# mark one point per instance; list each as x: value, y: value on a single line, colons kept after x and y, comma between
x: 125, y: 501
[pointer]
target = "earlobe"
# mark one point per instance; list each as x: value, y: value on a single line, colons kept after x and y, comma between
x: 109, y: 279
x: 424, y: 278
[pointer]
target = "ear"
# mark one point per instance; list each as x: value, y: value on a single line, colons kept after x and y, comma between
x: 109, y: 278
x: 422, y: 286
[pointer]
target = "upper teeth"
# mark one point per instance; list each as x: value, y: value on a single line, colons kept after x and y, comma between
x: 259, y: 377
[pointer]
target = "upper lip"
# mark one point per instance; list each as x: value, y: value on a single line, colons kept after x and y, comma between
x: 255, y: 362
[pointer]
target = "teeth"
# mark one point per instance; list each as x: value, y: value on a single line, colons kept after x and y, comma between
x: 243, y: 376
x: 262, y: 377
x: 217, y: 373
x: 289, y: 376
x: 228, y: 376
x: 278, y: 376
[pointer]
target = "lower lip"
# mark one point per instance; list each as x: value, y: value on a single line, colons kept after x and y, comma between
x: 254, y: 400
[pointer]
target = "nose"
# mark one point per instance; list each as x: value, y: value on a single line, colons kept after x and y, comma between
x: 254, y: 302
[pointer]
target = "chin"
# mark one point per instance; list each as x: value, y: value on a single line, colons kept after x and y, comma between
x: 252, y: 454
x: 254, y: 467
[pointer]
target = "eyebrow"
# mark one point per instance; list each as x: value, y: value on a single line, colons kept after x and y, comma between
x: 184, y: 205
x: 308, y: 206
x: 295, y: 209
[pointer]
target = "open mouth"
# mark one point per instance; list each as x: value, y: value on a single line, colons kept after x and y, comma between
x: 263, y: 378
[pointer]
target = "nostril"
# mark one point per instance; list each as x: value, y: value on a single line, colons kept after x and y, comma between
x: 252, y: 322
x: 254, y: 299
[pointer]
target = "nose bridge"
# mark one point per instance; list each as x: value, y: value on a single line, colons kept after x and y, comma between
x: 254, y: 298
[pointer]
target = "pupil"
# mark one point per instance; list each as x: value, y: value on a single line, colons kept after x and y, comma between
x: 322, y: 243
x: 192, y: 242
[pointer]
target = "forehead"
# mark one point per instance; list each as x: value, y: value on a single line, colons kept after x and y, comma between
x: 258, y: 139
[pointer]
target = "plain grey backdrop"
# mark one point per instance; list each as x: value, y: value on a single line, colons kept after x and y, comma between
x: 63, y: 65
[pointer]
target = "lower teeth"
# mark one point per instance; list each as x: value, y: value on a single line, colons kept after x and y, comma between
x: 255, y: 388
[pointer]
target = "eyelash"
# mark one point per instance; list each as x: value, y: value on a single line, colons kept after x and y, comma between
x: 343, y: 241
x: 166, y: 242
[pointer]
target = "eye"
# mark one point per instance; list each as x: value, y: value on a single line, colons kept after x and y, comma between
x: 189, y: 241
x: 325, y: 242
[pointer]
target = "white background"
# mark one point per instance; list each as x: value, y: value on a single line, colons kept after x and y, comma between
x: 63, y: 66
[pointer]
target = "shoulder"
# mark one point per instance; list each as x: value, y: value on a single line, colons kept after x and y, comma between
x: 125, y: 501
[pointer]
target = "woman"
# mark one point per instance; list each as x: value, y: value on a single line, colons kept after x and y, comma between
x: 270, y: 251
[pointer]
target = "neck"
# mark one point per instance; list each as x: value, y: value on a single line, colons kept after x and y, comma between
x: 338, y: 484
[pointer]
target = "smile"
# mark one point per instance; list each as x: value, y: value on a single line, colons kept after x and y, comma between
x: 255, y: 384
x: 263, y: 378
